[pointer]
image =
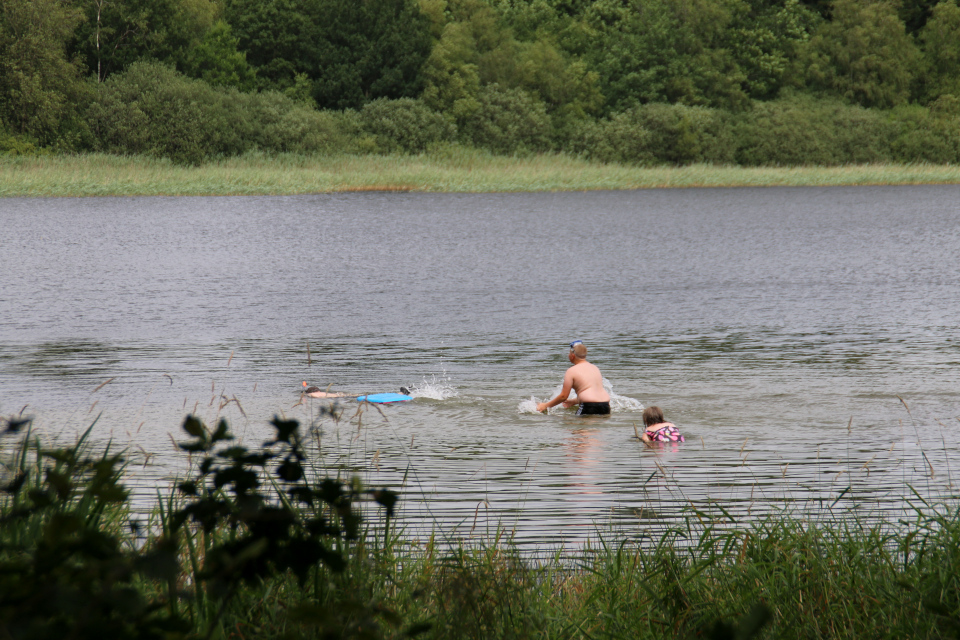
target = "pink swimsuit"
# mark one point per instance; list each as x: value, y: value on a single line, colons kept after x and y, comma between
x: 668, y: 433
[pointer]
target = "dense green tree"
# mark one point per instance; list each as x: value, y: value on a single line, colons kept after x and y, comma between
x: 477, y: 48
x: 941, y: 51
x: 863, y: 54
x: 351, y: 52
x: 39, y: 85
x: 544, y: 71
x: 915, y: 13
x: 639, y: 80
x: 217, y: 61
x: 765, y: 41
x: 451, y: 72
x: 658, y: 133
x: 368, y: 50
x: 665, y: 51
x: 928, y: 135
x: 822, y: 7
x: 570, y: 7
x: 533, y: 19
x: 117, y: 33
x: 436, y: 13
x: 273, y: 35
x: 663, y: 134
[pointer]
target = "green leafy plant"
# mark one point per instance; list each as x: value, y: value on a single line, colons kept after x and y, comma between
x: 66, y: 570
x: 257, y: 517
x: 245, y: 520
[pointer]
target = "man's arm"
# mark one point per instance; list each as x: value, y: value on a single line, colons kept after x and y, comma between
x: 564, y: 392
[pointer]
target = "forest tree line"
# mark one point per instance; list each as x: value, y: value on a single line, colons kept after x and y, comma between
x: 751, y: 82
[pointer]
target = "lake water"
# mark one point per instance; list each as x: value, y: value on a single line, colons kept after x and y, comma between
x: 777, y: 327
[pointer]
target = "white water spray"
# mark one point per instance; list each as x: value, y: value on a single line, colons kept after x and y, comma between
x: 434, y: 389
x: 618, y: 403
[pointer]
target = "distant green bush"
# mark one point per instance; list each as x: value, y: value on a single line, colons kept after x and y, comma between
x: 927, y: 135
x: 405, y: 125
x: 793, y: 131
x: 685, y: 135
x: 610, y: 140
x: 658, y: 134
x: 13, y: 145
x: 805, y: 131
x: 508, y: 121
x: 151, y: 109
x: 279, y: 124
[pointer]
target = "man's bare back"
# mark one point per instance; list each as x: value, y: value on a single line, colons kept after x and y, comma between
x: 586, y: 380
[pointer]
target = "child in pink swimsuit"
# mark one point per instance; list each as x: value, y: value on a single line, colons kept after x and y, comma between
x: 658, y: 429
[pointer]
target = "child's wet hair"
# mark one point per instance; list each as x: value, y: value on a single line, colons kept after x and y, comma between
x: 652, y: 415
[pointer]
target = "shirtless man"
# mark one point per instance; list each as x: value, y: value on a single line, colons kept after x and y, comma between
x: 586, y: 380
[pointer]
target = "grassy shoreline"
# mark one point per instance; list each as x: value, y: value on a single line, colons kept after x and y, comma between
x: 451, y: 170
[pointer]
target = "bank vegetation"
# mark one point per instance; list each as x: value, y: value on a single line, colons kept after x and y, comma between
x: 449, y: 169
x: 751, y: 83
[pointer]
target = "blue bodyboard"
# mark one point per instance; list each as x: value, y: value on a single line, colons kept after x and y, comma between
x: 383, y: 398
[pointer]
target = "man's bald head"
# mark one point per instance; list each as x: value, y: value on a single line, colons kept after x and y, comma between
x: 578, y: 350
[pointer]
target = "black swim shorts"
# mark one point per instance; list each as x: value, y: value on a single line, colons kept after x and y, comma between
x: 594, y: 409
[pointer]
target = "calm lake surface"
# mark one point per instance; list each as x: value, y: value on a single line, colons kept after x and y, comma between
x: 777, y: 327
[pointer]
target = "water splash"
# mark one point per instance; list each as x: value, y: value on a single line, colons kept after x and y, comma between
x: 434, y: 389
x: 618, y: 403
x: 528, y: 406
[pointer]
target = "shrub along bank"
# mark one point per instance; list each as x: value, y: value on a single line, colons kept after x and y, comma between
x: 255, y: 544
x: 152, y: 109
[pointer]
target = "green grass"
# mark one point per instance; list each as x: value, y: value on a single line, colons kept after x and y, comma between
x: 452, y: 170
x: 779, y: 578
x: 835, y: 580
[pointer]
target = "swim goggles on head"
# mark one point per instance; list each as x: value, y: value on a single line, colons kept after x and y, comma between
x: 575, y: 343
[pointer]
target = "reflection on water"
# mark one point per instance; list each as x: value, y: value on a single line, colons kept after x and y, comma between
x: 583, y: 451
x: 761, y: 320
